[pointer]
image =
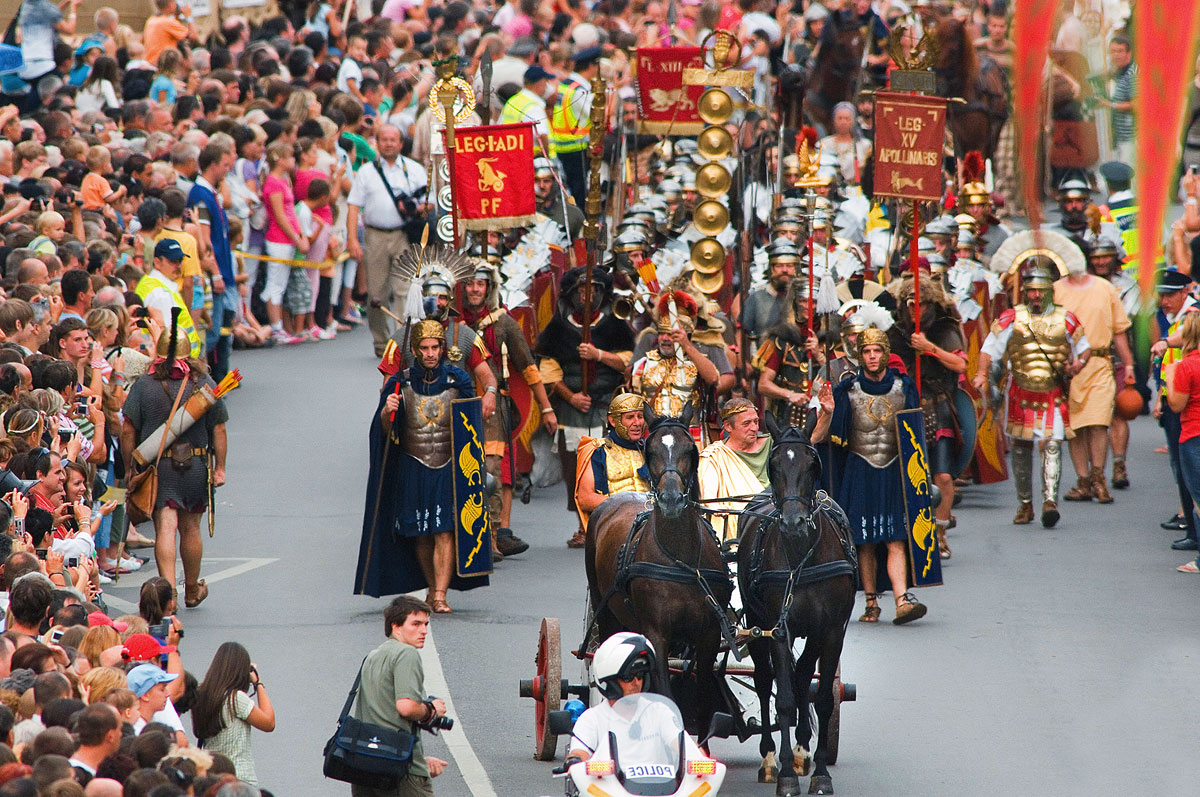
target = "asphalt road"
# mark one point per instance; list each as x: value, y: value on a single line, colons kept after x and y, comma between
x: 1051, y: 662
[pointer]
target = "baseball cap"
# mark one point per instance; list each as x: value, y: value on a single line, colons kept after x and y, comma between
x: 586, y: 56
x: 100, y: 618
x: 170, y: 249
x: 143, y: 647
x: 536, y: 73
x: 144, y: 677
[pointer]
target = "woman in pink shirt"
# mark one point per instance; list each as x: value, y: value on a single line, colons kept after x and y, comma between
x: 284, y: 240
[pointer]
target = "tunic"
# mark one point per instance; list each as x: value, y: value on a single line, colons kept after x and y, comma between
x: 150, y: 399
x: 725, y: 472
x: 406, y: 498
x: 1098, y: 307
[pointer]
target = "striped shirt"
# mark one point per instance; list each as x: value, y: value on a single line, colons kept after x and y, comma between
x: 1124, y: 90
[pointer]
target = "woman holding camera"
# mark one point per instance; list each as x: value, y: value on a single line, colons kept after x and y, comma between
x: 224, y: 711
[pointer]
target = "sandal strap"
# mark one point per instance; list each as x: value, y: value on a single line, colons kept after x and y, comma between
x: 908, y: 597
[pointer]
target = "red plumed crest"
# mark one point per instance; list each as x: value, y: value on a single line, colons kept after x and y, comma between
x: 684, y: 304
x: 808, y: 134
x: 973, y: 167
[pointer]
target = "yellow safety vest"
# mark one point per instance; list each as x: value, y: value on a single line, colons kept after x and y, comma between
x: 1126, y: 221
x: 567, y: 132
x: 148, y: 284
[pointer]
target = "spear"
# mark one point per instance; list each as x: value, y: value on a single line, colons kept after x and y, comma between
x: 485, y: 100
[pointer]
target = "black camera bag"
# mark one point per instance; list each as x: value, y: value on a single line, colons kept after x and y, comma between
x: 365, y: 754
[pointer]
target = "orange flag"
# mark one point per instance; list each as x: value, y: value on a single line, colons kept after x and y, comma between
x: 1166, y: 32
x: 1032, y: 20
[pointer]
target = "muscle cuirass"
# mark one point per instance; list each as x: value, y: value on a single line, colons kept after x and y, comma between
x: 668, y: 383
x: 872, y: 424
x: 1038, y: 350
x: 621, y: 467
x: 427, y: 426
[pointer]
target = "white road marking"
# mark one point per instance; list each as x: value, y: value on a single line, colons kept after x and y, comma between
x: 148, y: 570
x: 469, y: 766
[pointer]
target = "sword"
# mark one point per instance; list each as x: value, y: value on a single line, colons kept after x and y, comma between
x: 212, y: 496
x: 508, y: 424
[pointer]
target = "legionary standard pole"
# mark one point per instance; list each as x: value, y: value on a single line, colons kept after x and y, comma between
x: 909, y: 133
x: 594, y: 207
x: 444, y: 95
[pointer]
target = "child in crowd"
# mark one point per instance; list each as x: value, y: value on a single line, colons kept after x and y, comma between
x: 95, y: 190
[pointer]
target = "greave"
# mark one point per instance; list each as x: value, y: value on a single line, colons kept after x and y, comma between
x: 1051, y: 470
x: 1022, y: 462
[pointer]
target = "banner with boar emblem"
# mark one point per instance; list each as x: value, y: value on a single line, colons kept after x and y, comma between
x: 472, y: 539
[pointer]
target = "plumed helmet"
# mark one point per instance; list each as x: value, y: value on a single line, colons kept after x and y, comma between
x: 621, y: 657
x: 182, y: 345
x: 1038, y: 272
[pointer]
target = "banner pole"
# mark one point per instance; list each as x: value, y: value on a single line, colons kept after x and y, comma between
x: 447, y: 93
x: 916, y: 272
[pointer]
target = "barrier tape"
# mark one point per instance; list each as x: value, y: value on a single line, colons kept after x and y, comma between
x: 294, y: 263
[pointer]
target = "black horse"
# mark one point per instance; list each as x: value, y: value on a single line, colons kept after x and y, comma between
x: 797, y: 573
x: 659, y: 572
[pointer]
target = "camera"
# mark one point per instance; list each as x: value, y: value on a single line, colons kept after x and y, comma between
x: 160, y: 630
x: 435, y: 723
x: 72, y: 561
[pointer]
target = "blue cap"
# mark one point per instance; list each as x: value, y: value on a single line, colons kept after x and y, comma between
x: 585, y: 56
x: 535, y: 73
x: 170, y: 249
x: 1173, y: 281
x: 1116, y: 172
x: 145, y: 677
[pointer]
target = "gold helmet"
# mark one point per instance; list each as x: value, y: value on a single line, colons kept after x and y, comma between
x: 426, y: 328
x: 183, y: 346
x: 621, y: 404
x: 873, y: 337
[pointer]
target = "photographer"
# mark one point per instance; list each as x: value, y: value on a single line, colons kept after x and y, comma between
x: 393, y: 693
x: 389, y: 193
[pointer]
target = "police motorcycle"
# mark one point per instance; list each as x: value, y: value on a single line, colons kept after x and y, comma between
x: 637, y: 740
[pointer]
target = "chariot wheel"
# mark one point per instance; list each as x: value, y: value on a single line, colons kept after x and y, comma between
x: 546, y: 688
x: 835, y: 719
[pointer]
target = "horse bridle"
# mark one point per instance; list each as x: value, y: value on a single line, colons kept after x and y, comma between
x: 687, y: 484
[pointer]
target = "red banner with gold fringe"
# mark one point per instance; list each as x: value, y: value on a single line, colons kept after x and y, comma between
x: 1166, y: 31
x: 665, y: 105
x: 1032, y: 21
x: 493, y: 176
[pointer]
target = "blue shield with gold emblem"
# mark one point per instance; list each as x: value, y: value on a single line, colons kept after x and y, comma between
x: 472, y: 538
x: 925, y: 563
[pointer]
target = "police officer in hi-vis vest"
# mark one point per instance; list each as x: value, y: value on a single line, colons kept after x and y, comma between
x: 570, y: 122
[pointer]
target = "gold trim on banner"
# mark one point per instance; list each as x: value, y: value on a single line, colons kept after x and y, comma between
x: 497, y: 222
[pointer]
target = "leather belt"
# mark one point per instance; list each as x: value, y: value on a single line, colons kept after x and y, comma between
x: 384, y: 229
x: 1104, y: 351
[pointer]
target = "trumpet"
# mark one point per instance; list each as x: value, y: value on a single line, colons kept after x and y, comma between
x: 627, y: 304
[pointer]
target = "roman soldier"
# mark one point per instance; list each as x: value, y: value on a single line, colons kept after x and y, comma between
x: 433, y: 274
x: 940, y: 346
x: 675, y: 371
x: 1042, y: 346
x: 764, y: 308
x: 1105, y: 253
x: 788, y: 359
x: 857, y: 315
x: 548, y: 193
x: 563, y: 358
x: 613, y: 463
x: 507, y: 433
x: 1073, y: 198
x: 409, y: 522
x: 975, y: 200
x: 870, y: 486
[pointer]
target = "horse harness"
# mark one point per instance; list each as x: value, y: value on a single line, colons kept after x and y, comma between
x: 802, y: 575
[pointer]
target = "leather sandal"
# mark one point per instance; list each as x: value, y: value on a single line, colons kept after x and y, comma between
x: 194, y: 594
x: 908, y: 609
x: 439, y: 605
x: 578, y: 540
x: 1082, y: 491
x: 872, y: 612
x: 1024, y: 514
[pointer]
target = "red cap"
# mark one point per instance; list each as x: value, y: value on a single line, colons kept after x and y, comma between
x: 100, y: 618
x: 143, y: 647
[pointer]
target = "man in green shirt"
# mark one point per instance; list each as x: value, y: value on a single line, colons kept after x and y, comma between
x: 393, y: 694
